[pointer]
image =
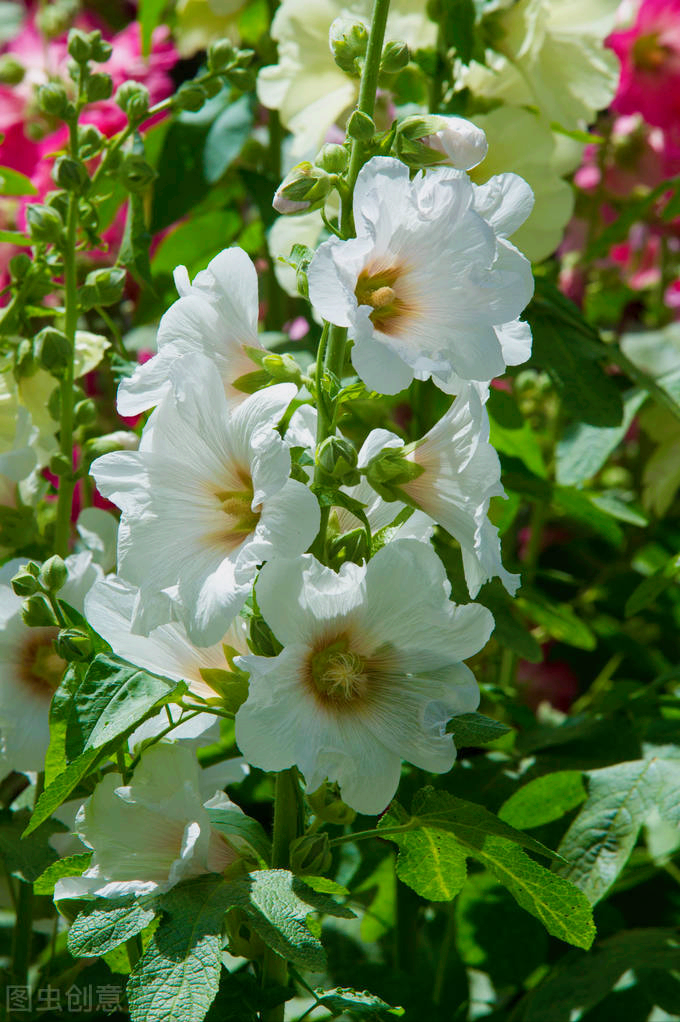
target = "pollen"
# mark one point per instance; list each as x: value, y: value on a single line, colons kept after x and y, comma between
x: 385, y: 289
x: 338, y: 674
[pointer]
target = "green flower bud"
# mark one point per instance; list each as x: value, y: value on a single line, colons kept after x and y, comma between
x: 53, y: 350
x: 332, y: 158
x: 133, y: 99
x: 283, y: 368
x: 348, y: 41
x: 361, y: 126
x: 79, y: 46
x: 99, y: 86
x: 135, y: 173
x: 303, y: 189
x: 221, y: 53
x: 53, y: 574
x: 103, y: 287
x: 44, y: 223
x: 53, y: 99
x: 121, y: 440
x: 242, y: 78
x: 100, y: 50
x: 11, y: 70
x: 91, y: 141
x: 338, y: 458
x: 390, y: 469
x: 24, y: 583
x: 84, y: 413
x: 60, y: 465
x: 71, y: 175
x: 326, y: 803
x: 54, y: 18
x: 58, y: 200
x: 190, y: 96
x: 73, y: 644
x: 311, y: 854
x: 24, y: 360
x: 37, y: 613
x: 19, y: 265
x: 212, y: 86
x: 394, y: 58
x: 262, y: 639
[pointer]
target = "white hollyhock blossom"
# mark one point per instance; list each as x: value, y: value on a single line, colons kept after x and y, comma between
x: 216, y: 316
x: 370, y: 674
x: 109, y: 607
x: 150, y: 834
x: 30, y: 668
x: 205, y: 500
x: 306, y: 86
x: 460, y: 472
x: 430, y: 286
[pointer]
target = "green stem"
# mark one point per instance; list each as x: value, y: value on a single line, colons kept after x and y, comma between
x: 274, y: 967
x: 362, y: 835
x: 23, y: 934
x: 442, y: 961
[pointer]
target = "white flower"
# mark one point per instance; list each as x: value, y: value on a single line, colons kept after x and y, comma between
x: 30, y: 668
x: 430, y: 286
x: 369, y: 675
x: 152, y: 833
x: 109, y: 607
x: 306, y: 86
x: 462, y: 142
x: 460, y: 472
x: 205, y: 500
x: 216, y: 316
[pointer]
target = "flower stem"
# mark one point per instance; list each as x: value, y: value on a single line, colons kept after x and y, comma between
x: 23, y: 934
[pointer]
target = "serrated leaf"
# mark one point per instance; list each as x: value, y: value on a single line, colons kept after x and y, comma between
x: 60, y: 710
x: 360, y: 1004
x: 430, y: 861
x: 544, y: 799
x: 72, y: 865
x: 104, y: 924
x: 471, y: 729
x: 62, y: 786
x: 583, y: 449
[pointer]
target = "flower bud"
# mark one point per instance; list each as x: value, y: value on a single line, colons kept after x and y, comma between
x: 100, y: 50
x: 90, y: 141
x: 135, y: 173
x: 262, y: 639
x: 121, y: 440
x: 348, y: 40
x: 303, y: 189
x: 53, y: 574
x: 24, y: 583
x: 11, y: 70
x: 311, y: 854
x: 99, y: 86
x: 60, y: 465
x: 242, y: 78
x: 389, y: 470
x: 58, y: 200
x: 454, y: 141
x: 326, y: 803
x: 190, y: 96
x: 103, y: 287
x: 44, y: 223
x: 361, y: 127
x: 19, y: 265
x: 338, y: 458
x: 332, y: 158
x: 221, y: 53
x: 37, y: 613
x: 53, y: 99
x: 84, y: 412
x: 53, y: 350
x: 71, y: 175
x: 394, y: 58
x: 133, y: 99
x: 73, y: 644
x: 283, y: 368
x: 24, y: 360
x: 79, y: 46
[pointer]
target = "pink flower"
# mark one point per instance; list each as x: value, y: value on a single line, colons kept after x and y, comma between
x: 649, y: 52
x: 550, y: 681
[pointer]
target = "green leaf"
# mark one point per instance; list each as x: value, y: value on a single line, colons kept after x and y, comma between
x: 226, y: 138
x: 26, y: 857
x: 430, y: 861
x: 511, y: 433
x: 243, y: 833
x: 149, y: 13
x: 71, y: 866
x: 544, y: 799
x: 62, y: 786
x: 568, y: 348
x: 104, y: 924
x: 134, y: 246
x: 471, y: 729
x: 458, y: 27
x: 196, y: 241
x: 14, y: 183
x: 14, y: 238
x: 599, y: 841
x: 360, y: 1005
x: 509, y: 630
x: 583, y: 450
x: 60, y: 710
x: 113, y: 699
x: 651, y: 587
x: 559, y: 621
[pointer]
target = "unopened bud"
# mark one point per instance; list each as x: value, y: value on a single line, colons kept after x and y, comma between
x: 79, y: 46
x: 133, y: 99
x: 44, y: 223
x: 303, y: 189
x: 60, y: 465
x: 242, y: 78
x: 84, y: 412
x: 220, y: 54
x: 391, y: 469
x: 135, y: 173
x: 190, y: 96
x: 24, y: 583
x: 11, y: 70
x: 262, y: 638
x: 73, y: 644
x: 90, y: 141
x: 53, y: 350
x: 348, y: 40
x: 360, y: 126
x: 311, y: 854
x: 332, y: 158
x: 103, y: 287
x: 100, y: 50
x: 71, y: 175
x: 99, y: 87
x: 338, y: 458
x: 19, y: 265
x: 121, y: 440
x: 326, y: 803
x: 454, y: 141
x: 37, y: 613
x: 394, y: 58
x: 52, y: 99
x: 283, y: 368
x: 53, y: 574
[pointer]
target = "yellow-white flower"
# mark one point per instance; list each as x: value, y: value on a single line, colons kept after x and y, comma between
x: 370, y: 674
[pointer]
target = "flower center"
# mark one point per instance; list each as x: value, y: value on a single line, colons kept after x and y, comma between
x: 377, y: 290
x: 649, y: 53
x: 338, y: 674
x: 236, y: 506
x: 41, y: 668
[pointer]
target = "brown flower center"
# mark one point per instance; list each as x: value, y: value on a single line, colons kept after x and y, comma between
x: 376, y: 286
x: 338, y: 674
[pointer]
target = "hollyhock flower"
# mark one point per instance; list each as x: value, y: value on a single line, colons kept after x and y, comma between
x: 430, y: 286
x: 30, y: 668
x: 370, y: 673
x: 216, y: 315
x: 462, y: 143
x: 306, y: 86
x: 148, y: 835
x: 205, y: 500
x: 458, y: 472
x: 649, y: 52
x: 550, y: 57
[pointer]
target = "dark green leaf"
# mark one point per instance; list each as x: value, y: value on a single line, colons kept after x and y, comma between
x: 26, y: 857
x: 359, y: 1005
x: 226, y: 138
x: 103, y: 925
x: 559, y: 621
x: 71, y: 866
x: 584, y: 449
x: 544, y: 799
x: 471, y: 729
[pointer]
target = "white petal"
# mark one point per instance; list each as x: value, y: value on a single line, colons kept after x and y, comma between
x: 505, y: 201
